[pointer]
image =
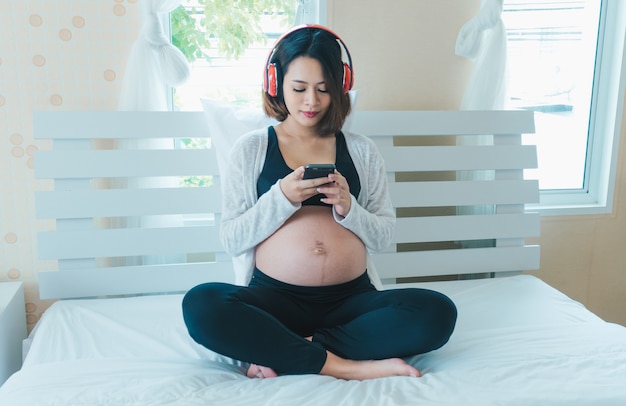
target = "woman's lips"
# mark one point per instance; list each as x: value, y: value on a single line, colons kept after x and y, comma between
x: 310, y: 114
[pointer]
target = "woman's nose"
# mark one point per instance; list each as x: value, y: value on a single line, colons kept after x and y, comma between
x: 311, y: 97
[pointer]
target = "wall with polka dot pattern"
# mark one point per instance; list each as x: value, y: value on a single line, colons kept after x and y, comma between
x: 54, y: 55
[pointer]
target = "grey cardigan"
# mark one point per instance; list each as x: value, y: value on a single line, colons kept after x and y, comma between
x: 248, y: 220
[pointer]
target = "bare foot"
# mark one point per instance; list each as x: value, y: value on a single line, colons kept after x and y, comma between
x: 361, y: 370
x: 257, y: 371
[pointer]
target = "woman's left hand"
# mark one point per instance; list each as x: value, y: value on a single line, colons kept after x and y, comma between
x: 337, y: 193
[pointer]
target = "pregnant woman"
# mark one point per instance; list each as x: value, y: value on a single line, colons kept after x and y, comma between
x: 305, y: 302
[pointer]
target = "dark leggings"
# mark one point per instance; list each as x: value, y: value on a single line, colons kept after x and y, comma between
x: 266, y: 322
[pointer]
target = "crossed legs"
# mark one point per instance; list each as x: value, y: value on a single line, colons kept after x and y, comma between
x: 359, y: 335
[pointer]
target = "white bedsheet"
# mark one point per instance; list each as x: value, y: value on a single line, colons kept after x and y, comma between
x: 517, y: 342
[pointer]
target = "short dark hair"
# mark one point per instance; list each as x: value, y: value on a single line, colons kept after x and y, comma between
x: 322, y: 46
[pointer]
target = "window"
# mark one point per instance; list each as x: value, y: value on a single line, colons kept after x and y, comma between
x: 565, y: 59
x: 229, y: 49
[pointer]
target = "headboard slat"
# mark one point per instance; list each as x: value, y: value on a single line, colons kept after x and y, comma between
x: 475, y: 227
x: 127, y: 202
x: 125, y: 163
x: 119, y: 125
x: 445, y: 122
x: 456, y: 261
x: 459, y: 193
x: 128, y: 280
x: 128, y: 242
x: 457, y: 158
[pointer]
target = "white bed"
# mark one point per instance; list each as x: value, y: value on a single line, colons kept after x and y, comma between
x: 517, y: 340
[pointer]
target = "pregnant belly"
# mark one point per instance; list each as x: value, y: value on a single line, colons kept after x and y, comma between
x: 311, y: 249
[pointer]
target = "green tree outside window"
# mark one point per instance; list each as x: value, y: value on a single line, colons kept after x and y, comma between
x: 236, y: 24
x: 231, y: 26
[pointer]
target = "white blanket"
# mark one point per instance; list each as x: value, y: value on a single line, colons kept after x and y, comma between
x: 517, y: 342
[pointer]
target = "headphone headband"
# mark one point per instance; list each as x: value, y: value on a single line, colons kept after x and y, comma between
x: 270, y: 78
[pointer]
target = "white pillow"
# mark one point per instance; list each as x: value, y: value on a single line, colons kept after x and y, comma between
x: 228, y: 123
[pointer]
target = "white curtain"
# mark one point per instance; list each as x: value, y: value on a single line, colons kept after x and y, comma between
x: 306, y: 12
x: 483, y: 40
x: 153, y: 65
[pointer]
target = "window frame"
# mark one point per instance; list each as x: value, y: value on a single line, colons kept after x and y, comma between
x: 597, y: 194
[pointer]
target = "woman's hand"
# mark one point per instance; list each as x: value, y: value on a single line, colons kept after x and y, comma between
x: 297, y: 189
x: 337, y: 193
x: 334, y: 187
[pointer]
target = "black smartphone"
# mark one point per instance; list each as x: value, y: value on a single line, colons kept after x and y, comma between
x: 313, y: 171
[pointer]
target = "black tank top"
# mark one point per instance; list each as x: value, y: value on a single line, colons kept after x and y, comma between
x: 276, y: 168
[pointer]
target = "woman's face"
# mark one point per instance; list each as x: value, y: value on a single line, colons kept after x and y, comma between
x: 305, y: 91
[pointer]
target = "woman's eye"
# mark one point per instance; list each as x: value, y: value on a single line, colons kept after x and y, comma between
x: 304, y: 90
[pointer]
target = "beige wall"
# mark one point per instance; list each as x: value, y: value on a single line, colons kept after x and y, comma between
x: 54, y: 55
x: 403, y: 51
x: 69, y: 55
x: 410, y: 64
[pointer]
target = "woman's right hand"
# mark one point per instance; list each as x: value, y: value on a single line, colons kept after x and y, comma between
x: 297, y: 189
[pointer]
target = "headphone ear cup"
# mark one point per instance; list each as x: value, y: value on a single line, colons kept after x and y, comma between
x: 347, y: 78
x: 271, y: 86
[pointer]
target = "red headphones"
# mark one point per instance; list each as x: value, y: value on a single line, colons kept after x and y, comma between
x: 270, y: 77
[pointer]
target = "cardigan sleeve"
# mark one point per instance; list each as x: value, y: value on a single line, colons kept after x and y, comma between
x: 371, y: 216
x: 247, y: 221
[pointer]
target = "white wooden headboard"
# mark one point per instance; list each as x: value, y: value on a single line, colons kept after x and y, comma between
x: 437, y: 208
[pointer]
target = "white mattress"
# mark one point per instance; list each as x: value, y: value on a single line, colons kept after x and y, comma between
x: 517, y: 342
